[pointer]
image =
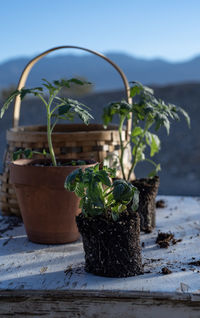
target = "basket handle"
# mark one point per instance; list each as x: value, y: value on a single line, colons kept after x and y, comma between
x: 27, y: 69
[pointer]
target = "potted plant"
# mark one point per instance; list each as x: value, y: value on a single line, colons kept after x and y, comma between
x: 147, y: 112
x: 48, y: 211
x: 108, y: 223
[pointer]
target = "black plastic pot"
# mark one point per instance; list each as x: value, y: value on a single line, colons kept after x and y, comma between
x: 111, y: 248
x: 147, y: 207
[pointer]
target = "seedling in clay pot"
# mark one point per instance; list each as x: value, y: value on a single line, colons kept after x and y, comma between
x: 48, y: 211
x: 109, y: 222
x: 147, y: 112
x: 56, y: 107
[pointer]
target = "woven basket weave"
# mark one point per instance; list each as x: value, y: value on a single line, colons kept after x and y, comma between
x: 75, y: 141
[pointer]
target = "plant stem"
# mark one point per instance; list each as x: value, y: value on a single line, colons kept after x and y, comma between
x: 49, y: 128
x: 53, y: 125
x: 52, y: 154
x: 121, y: 159
x: 135, y: 158
x: 147, y: 126
x: 152, y: 162
x: 44, y: 101
x: 56, y: 107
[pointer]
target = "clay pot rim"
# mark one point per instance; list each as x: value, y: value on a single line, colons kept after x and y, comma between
x: 29, y: 163
x: 22, y: 173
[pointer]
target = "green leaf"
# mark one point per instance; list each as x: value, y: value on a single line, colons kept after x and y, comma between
x: 95, y: 193
x: 154, y: 172
x: 64, y: 109
x: 122, y: 191
x: 103, y: 177
x: 116, y: 108
x: 27, y: 91
x: 138, y: 151
x: 28, y: 153
x: 78, y: 81
x: 121, y: 208
x: 81, y: 162
x: 8, y: 102
x: 161, y: 119
x: 96, y: 167
x: 155, y: 145
x: 109, y: 200
x: 83, y: 114
x: 138, y: 88
x: 135, y: 90
x: 135, y: 200
x: 79, y: 190
x: 137, y: 131
x: 70, y: 107
x: 17, y: 154
x: 62, y: 83
x: 47, y: 84
x: 153, y: 141
x: 72, y: 179
x: 185, y: 114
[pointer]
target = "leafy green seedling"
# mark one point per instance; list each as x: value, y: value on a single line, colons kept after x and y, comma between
x: 56, y: 107
x: 28, y: 153
x: 99, y: 194
x: 146, y: 111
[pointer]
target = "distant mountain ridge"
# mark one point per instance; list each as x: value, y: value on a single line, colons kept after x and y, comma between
x: 99, y: 72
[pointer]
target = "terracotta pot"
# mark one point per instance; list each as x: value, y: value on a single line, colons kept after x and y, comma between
x: 48, y: 210
x: 148, y: 188
x: 112, y: 248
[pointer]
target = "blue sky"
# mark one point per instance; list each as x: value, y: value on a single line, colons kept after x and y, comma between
x: 168, y: 29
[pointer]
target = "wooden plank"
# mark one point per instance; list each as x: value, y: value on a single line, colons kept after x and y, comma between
x: 66, y: 304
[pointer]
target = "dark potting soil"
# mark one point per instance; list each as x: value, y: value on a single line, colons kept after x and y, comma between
x: 62, y: 163
x: 148, y: 188
x: 111, y: 248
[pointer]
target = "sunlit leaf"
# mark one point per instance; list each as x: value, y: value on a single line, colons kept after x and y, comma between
x: 8, y: 102
x: 135, y: 199
x: 137, y: 131
x: 154, y: 172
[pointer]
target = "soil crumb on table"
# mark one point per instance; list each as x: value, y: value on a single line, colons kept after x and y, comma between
x: 160, y: 204
x: 164, y: 239
x: 196, y: 263
x: 175, y: 241
x: 166, y: 271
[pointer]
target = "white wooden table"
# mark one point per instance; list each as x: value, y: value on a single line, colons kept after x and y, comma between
x: 50, y: 281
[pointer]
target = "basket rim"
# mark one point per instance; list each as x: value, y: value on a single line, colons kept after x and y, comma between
x: 59, y: 128
x: 64, y: 132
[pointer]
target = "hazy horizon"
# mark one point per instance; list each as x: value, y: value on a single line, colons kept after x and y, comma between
x: 75, y: 53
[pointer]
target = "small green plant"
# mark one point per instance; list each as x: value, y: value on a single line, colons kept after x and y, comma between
x: 28, y: 153
x: 146, y: 111
x: 99, y: 194
x: 56, y: 107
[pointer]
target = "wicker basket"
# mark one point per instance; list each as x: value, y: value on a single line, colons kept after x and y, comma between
x: 70, y: 141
